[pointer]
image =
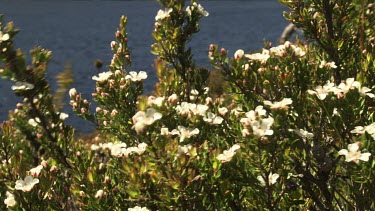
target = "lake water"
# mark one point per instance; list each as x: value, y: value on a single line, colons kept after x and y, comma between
x: 79, y: 32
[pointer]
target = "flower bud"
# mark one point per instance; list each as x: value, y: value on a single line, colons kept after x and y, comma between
x: 113, y: 45
x: 99, y: 194
x: 53, y: 169
x: 72, y: 92
x: 223, y: 51
x: 44, y: 164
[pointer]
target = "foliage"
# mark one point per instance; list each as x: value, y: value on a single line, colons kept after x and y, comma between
x: 292, y: 128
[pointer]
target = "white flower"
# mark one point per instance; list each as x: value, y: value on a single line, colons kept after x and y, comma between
x: 200, y: 9
x: 239, y: 54
x: 222, y: 111
x: 9, y: 201
x: 158, y: 101
x: 142, y: 119
x: 35, y: 171
x: 140, y: 149
x: 349, y: 84
x: 184, y: 132
x: 298, y: 52
x: 99, y: 194
x: 261, y: 57
x: 363, y: 91
x: 283, y: 105
x: 252, y: 115
x: 211, y: 118
x: 136, y: 76
x: 184, y: 149
x: 164, y: 131
x: 302, y: 133
x: 34, y: 122
x: 137, y: 208
x: 322, y: 91
x: 27, y: 184
x: 72, y: 92
x: 22, y: 86
x: 353, y: 154
x: 358, y: 130
x: 102, y: 76
x: 327, y: 64
x: 163, y: 14
x: 262, y: 128
x: 227, y: 155
x: 278, y: 51
x: 272, y: 178
x: 117, y: 149
x: 63, y: 116
x: 370, y: 129
x: 3, y: 37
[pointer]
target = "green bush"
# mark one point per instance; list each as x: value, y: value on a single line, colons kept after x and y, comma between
x: 291, y: 127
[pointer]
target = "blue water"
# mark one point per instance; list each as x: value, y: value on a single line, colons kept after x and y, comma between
x: 79, y: 32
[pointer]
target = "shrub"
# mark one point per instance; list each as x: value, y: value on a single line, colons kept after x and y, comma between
x: 291, y: 129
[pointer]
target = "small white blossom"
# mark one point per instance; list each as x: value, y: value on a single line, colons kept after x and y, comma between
x: 227, y: 155
x: 262, y: 128
x: 322, y: 91
x: 138, y: 208
x: 136, y: 76
x: 199, y: 8
x: 327, y: 64
x: 34, y: 122
x: 9, y: 200
x: 184, y: 149
x: 72, y: 92
x: 349, y: 84
x: 283, y: 104
x: 22, y: 86
x: 142, y: 119
x: 364, y: 91
x: 184, y: 132
x: 102, y: 76
x: 163, y: 14
x: 302, y: 133
x: 222, y: 111
x: 27, y: 184
x: 36, y: 171
x: 158, y: 101
x: 352, y: 154
x: 4, y: 37
x: 279, y: 51
x: 63, y: 116
x: 99, y: 194
x: 272, y: 179
x: 239, y: 54
x: 211, y: 118
x: 261, y: 57
x: 164, y: 131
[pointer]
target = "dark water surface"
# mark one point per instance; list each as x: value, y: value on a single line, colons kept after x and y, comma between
x: 79, y: 32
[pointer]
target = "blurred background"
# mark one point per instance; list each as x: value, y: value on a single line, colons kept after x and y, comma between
x: 79, y: 32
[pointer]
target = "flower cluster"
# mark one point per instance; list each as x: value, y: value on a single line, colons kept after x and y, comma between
x: 282, y: 105
x: 323, y: 91
x: 227, y: 155
x: 198, y: 8
x: 162, y: 14
x: 352, y: 153
x: 9, y: 200
x: 142, y: 119
x: 255, y: 119
x: 119, y: 149
x: 271, y: 179
x: 184, y: 132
